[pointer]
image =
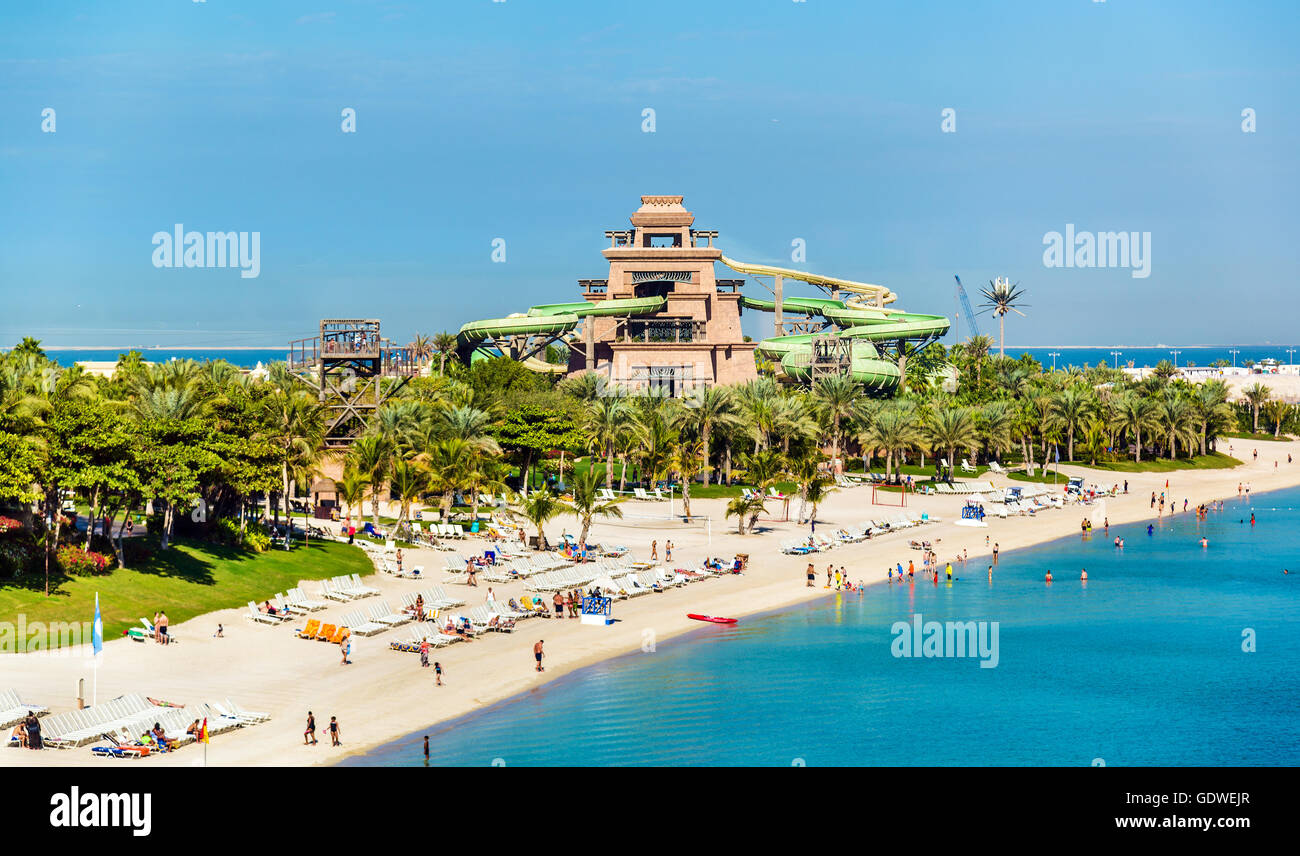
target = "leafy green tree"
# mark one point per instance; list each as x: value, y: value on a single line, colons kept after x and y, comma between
x: 529, y: 430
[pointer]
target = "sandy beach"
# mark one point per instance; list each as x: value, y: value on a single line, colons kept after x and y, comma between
x: 385, y: 694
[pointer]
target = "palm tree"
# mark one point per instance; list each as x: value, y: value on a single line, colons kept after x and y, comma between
x: 372, y: 456
x: 1278, y: 414
x: 296, y: 425
x: 1003, y: 297
x: 421, y: 349
x: 1212, y: 410
x: 762, y: 469
x: 588, y: 504
x: 1131, y: 413
x: 951, y: 428
x: 1255, y: 396
x: 833, y: 399
x: 816, y: 490
x: 997, y: 420
x: 444, y: 345
x: 706, y: 409
x: 977, y: 350
x: 409, y: 483
x: 352, y: 488
x: 606, y: 422
x: 1175, y: 417
x: 1094, y: 440
x: 1072, y: 408
x: 688, y: 457
x: 746, y: 510
x: 893, y: 430
x: 540, y: 507
x: 586, y: 386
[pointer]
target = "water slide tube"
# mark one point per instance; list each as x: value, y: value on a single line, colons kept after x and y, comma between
x: 862, y: 323
x: 551, y: 319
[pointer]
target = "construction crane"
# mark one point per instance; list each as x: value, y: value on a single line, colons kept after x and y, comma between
x: 965, y: 306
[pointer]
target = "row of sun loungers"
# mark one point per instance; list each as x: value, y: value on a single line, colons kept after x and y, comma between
x: 508, y: 568
x: 123, y: 720
x: 962, y: 488
x: 852, y: 535
x: 13, y: 710
x: 346, y: 588
x: 772, y: 493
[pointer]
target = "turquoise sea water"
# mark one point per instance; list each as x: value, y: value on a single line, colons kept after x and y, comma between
x: 1142, y: 665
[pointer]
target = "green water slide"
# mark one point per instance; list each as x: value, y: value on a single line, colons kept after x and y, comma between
x: 549, y: 319
x: 863, y: 325
x: 866, y: 366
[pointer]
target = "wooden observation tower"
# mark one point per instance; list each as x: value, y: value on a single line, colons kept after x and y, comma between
x: 354, y: 370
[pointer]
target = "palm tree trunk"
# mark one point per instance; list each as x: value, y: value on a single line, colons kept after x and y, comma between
x: 609, y: 467
x: 704, y: 468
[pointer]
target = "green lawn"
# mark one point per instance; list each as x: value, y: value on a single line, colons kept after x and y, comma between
x: 187, y: 580
x: 1212, y: 461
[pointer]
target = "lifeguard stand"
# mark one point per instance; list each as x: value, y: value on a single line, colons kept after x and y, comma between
x: 354, y: 370
x: 598, y: 610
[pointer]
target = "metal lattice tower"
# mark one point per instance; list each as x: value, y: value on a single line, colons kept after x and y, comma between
x: 354, y: 370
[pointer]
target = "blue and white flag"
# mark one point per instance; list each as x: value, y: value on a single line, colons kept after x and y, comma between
x: 97, y: 630
x: 1057, y: 451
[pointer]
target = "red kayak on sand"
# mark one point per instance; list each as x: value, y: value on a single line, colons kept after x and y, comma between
x: 715, y: 619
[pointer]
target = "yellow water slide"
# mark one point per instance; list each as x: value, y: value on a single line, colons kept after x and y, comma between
x: 877, y: 295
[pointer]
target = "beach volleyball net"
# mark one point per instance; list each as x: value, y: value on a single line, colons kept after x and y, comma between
x: 895, y: 495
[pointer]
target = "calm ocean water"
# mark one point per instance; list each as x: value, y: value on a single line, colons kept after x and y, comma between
x: 242, y: 358
x: 1142, y: 665
x: 1200, y: 355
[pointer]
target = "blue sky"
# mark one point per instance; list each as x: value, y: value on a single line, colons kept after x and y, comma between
x: 523, y: 121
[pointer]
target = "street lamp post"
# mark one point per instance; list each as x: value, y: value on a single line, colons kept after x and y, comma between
x: 1116, y: 354
x: 1290, y: 352
x: 1234, y: 353
x: 1175, y: 353
x: 1053, y: 355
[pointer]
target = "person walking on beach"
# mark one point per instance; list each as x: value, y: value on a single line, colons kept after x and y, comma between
x: 335, y: 731
x: 309, y: 736
x: 812, y: 576
x: 558, y: 601
x: 654, y: 550
x: 537, y: 654
x: 1126, y: 486
x: 668, y: 551
x: 345, y: 646
x: 419, y: 607
x: 995, y: 552
x: 437, y: 674
x: 424, y: 653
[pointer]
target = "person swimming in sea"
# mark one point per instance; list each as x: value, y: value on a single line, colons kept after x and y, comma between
x: 1205, y: 542
x: 1083, y: 576
x: 1151, y: 530
x: 1049, y: 576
